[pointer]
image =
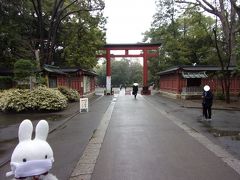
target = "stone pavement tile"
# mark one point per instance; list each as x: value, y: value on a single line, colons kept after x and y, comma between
x: 81, y: 177
x: 83, y: 169
x: 99, y: 133
x: 93, y: 146
x: 89, y: 157
x: 90, y: 152
x: 97, y: 140
x: 90, y: 160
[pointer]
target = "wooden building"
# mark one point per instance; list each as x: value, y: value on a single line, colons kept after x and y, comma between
x: 84, y: 81
x: 187, y: 82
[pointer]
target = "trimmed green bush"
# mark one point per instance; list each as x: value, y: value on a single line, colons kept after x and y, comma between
x: 40, y: 99
x: 23, y: 68
x: 71, y: 94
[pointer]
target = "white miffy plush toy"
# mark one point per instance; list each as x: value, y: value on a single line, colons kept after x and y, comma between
x: 32, y: 159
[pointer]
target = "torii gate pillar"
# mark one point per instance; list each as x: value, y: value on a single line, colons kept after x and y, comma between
x: 145, y: 68
x: 108, y: 72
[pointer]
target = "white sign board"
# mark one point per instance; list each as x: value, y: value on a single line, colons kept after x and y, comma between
x: 83, y: 105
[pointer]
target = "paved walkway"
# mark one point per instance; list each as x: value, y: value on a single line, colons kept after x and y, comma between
x: 220, y: 124
x: 217, y: 104
x: 143, y: 142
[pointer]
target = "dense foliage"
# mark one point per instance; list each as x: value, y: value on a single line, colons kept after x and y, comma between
x: 40, y: 99
x: 196, y: 33
x: 23, y: 69
x: 71, y: 94
x: 124, y: 72
x: 60, y: 32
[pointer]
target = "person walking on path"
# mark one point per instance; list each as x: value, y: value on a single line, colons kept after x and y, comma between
x: 135, y: 89
x: 207, y: 97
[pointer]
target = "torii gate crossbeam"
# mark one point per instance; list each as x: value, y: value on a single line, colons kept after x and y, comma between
x: 143, y: 47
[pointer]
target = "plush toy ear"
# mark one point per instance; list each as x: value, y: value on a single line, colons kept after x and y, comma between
x: 42, y: 130
x: 25, y: 130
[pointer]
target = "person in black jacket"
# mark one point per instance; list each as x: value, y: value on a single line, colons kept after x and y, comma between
x: 207, y: 102
x: 135, y: 89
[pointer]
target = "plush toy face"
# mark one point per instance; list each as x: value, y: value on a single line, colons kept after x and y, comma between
x: 31, y: 157
x: 32, y: 150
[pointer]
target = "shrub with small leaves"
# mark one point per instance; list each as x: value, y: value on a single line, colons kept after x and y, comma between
x: 14, y: 100
x: 40, y: 99
x: 71, y: 94
x: 46, y: 99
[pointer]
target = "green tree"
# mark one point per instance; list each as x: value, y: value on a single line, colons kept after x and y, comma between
x: 189, y: 42
x: 84, y: 38
x: 14, y: 32
x: 101, y: 72
x: 135, y: 73
x: 23, y: 70
x: 120, y: 73
x: 123, y: 72
x: 52, y: 15
x: 225, y: 35
x: 36, y: 29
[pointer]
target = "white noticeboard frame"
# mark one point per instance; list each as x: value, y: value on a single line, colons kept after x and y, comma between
x: 83, y: 105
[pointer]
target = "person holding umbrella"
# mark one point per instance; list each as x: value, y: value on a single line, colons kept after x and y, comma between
x: 135, y: 89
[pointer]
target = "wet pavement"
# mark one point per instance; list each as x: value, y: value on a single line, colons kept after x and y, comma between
x: 154, y: 140
x: 225, y: 119
x: 223, y: 129
x: 119, y: 146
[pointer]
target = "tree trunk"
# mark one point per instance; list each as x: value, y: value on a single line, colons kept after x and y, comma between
x: 227, y: 87
x: 222, y: 84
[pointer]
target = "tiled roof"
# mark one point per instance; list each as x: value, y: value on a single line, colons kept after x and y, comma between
x: 53, y: 70
x: 202, y: 74
x: 197, y: 68
x: 57, y: 70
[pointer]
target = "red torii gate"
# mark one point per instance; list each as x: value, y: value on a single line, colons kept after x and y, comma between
x: 145, y: 54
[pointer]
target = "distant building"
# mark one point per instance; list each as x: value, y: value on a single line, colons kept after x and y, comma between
x: 84, y: 81
x: 187, y: 81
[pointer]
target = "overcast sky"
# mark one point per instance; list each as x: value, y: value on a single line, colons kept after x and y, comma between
x: 128, y: 19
